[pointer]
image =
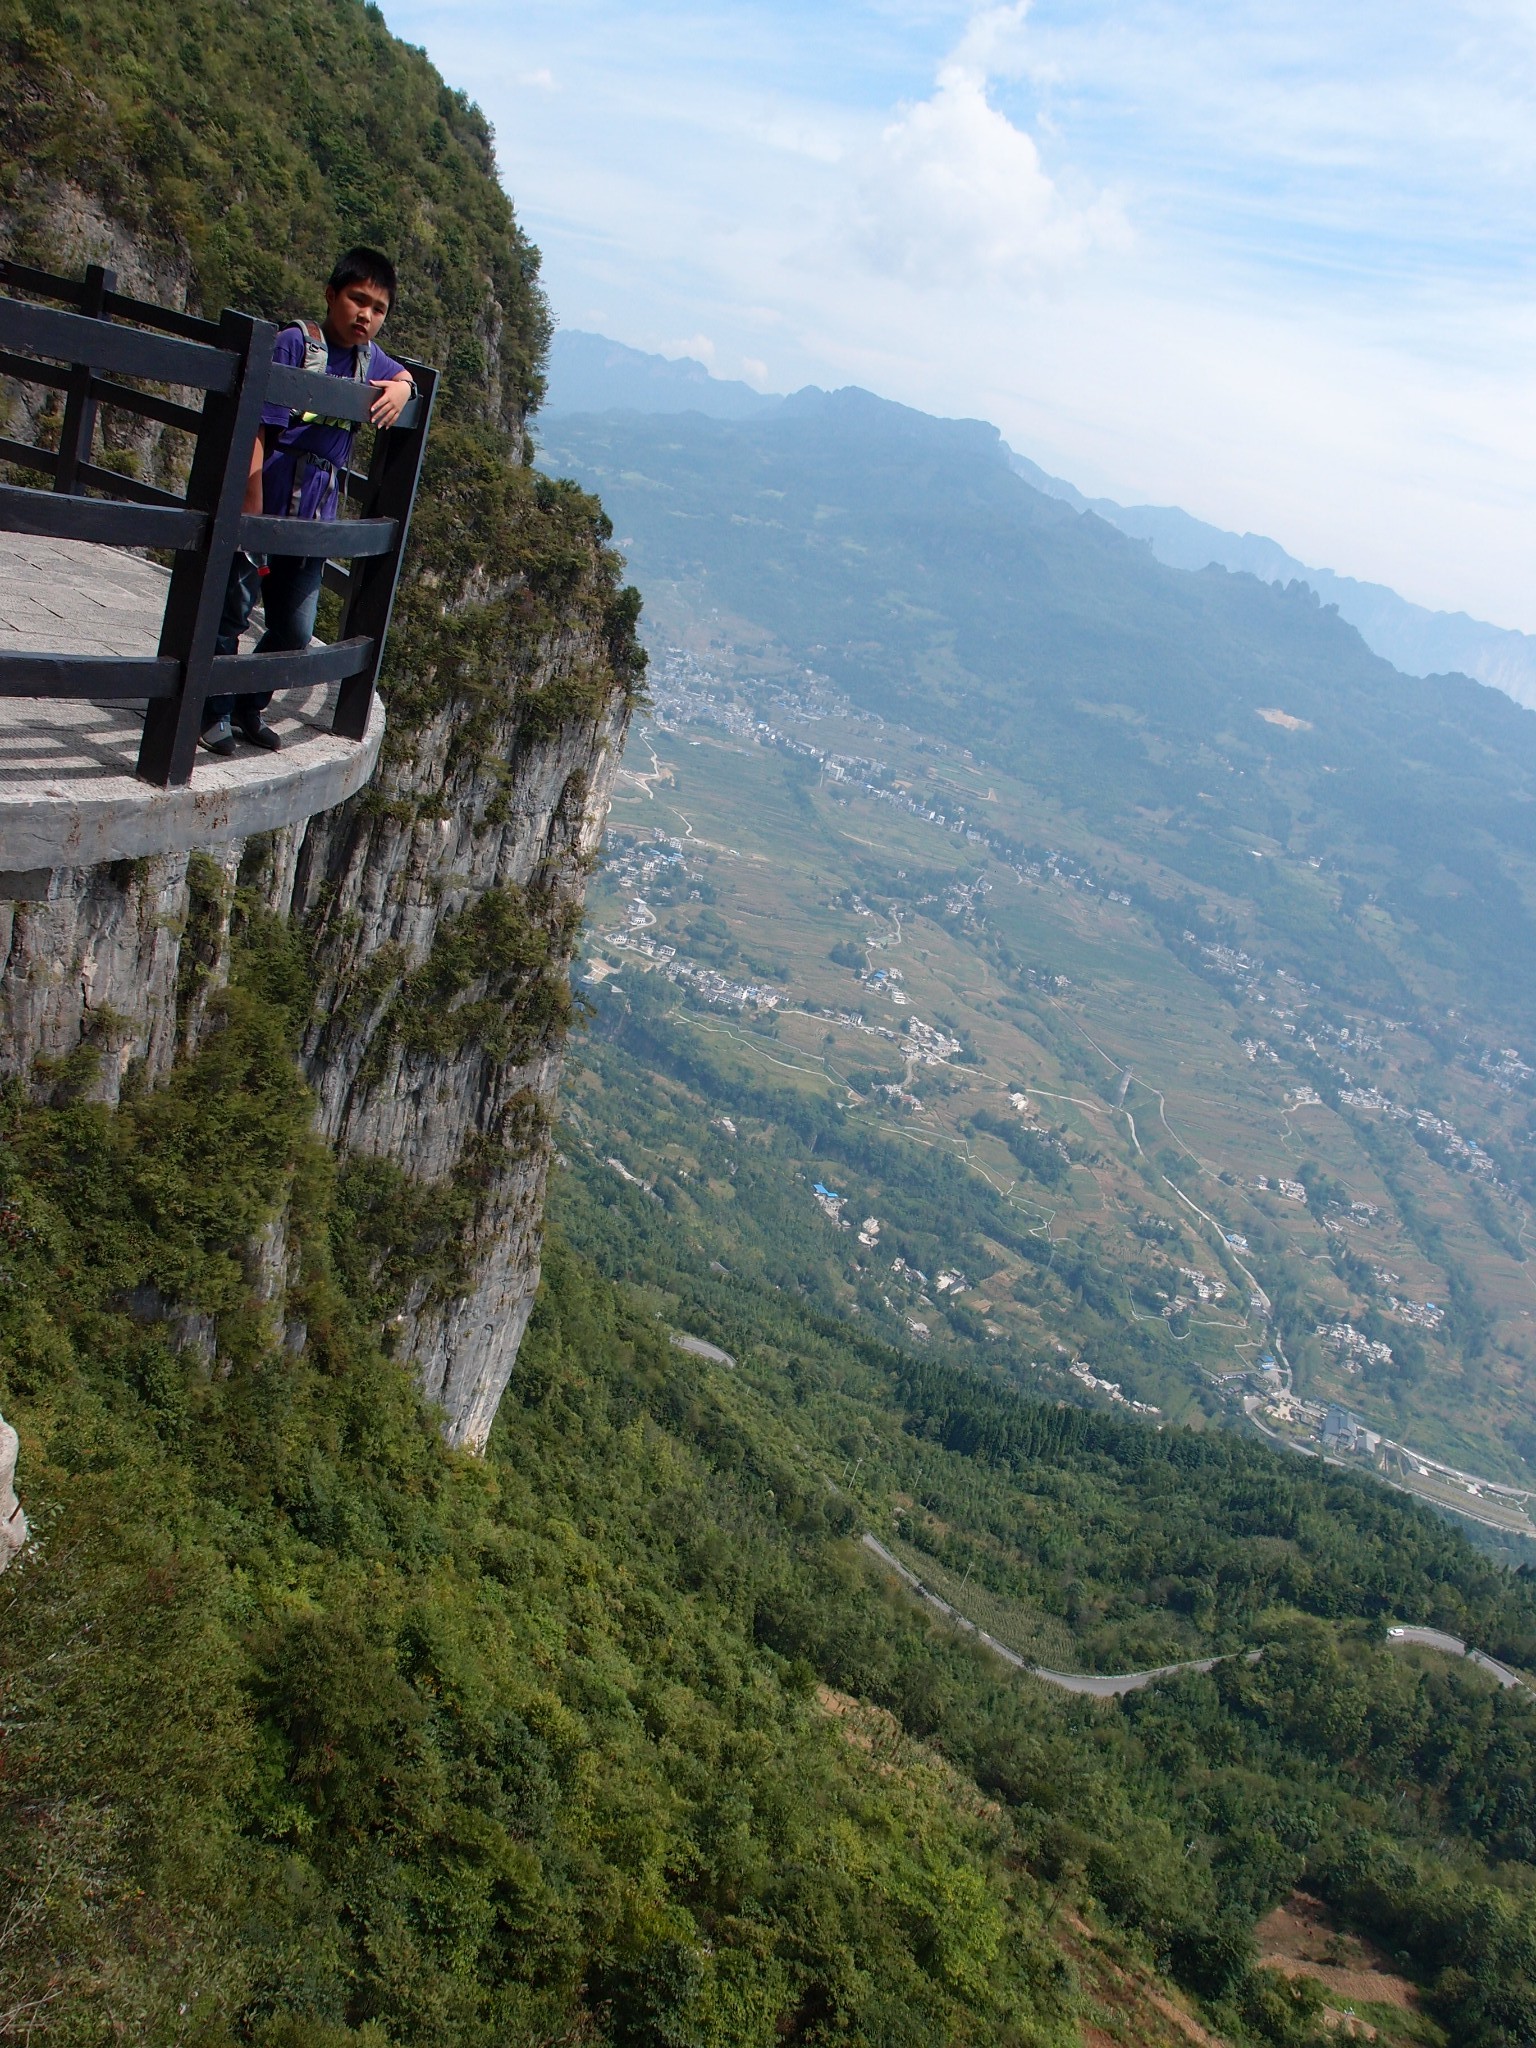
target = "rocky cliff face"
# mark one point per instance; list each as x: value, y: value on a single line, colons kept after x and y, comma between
x: 443, y: 908
x: 434, y: 915
x: 437, y: 913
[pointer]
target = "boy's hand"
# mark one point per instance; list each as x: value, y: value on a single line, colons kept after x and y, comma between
x: 391, y: 401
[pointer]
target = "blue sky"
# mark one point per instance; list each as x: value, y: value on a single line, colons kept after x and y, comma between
x: 1275, y: 263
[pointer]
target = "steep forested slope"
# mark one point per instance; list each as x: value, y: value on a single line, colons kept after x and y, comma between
x: 317, y: 1732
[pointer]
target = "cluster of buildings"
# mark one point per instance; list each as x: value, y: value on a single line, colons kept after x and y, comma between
x: 640, y: 863
x: 1506, y: 1068
x: 715, y: 988
x: 1345, y: 1432
x: 927, y: 1046
x: 1230, y: 961
x: 1203, y: 1286
x: 1463, y: 1151
x: 1354, y: 1348
x: 685, y: 691
x: 886, y: 981
x: 1086, y: 1377
x: 1424, y: 1315
x: 963, y: 900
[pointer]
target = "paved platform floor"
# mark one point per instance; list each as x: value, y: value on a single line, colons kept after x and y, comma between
x: 68, y: 792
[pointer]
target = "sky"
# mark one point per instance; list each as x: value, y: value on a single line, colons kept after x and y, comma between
x: 1275, y: 263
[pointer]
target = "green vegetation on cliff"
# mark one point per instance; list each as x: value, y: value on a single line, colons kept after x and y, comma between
x: 316, y: 1732
x: 242, y: 148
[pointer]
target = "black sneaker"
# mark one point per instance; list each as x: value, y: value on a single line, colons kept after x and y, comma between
x: 219, y: 739
x: 254, y: 727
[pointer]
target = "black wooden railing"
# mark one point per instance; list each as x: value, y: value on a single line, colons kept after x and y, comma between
x: 85, y: 351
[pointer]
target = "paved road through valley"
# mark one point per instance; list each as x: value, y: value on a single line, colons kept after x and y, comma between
x: 1111, y: 1685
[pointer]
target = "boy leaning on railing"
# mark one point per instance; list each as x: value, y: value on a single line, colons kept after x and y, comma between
x: 298, y: 469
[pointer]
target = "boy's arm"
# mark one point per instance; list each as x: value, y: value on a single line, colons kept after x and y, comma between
x: 253, y: 499
x: 392, y: 399
x: 261, y: 448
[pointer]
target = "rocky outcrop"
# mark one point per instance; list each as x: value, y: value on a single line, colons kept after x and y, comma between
x: 443, y: 907
x: 439, y: 909
x: 13, y: 1523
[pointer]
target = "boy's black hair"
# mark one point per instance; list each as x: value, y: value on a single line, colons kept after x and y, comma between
x: 364, y: 266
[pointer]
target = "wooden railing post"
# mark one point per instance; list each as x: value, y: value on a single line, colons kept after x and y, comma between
x: 79, y: 426
x: 393, y: 474
x: 216, y: 486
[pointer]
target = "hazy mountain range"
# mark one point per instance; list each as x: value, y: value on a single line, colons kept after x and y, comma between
x: 589, y: 373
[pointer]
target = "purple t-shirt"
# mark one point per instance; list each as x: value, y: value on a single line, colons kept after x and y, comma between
x: 320, y: 491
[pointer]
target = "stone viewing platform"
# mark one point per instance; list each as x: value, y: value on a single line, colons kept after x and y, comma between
x: 108, y: 665
x: 69, y: 794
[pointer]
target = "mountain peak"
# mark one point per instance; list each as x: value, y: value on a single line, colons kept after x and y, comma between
x: 591, y: 373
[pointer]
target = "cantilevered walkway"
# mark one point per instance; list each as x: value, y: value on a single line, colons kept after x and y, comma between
x: 69, y: 793
x: 106, y: 660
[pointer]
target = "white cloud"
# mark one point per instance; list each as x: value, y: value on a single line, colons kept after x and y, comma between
x: 698, y: 347
x: 955, y: 192
x: 992, y: 41
x: 1320, y: 327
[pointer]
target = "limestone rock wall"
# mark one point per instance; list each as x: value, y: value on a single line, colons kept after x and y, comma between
x: 439, y: 906
x: 449, y: 1069
x: 114, y: 963
x: 380, y: 883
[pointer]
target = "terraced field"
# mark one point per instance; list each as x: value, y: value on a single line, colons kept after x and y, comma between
x: 846, y: 907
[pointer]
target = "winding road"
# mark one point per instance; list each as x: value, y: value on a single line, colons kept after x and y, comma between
x: 1112, y: 1685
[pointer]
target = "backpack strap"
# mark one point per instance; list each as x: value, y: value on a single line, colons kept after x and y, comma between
x: 315, y: 352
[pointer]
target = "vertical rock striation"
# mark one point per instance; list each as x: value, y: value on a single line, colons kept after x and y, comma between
x: 442, y: 907
x: 89, y: 958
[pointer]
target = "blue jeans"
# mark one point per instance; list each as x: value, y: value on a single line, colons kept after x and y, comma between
x: 290, y: 592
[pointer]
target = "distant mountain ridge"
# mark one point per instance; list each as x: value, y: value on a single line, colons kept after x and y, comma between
x: 590, y: 373
x: 1414, y: 639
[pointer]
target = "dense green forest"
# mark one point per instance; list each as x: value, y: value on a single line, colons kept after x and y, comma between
x: 317, y: 1732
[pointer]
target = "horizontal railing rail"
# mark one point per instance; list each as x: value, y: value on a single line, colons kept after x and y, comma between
x: 81, y: 339
x: 84, y: 345
x: 340, y: 400
x: 76, y: 292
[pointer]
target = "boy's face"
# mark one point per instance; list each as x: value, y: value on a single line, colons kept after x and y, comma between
x: 355, y: 313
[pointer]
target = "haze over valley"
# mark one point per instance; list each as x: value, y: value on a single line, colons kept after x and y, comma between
x: 1149, y: 898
